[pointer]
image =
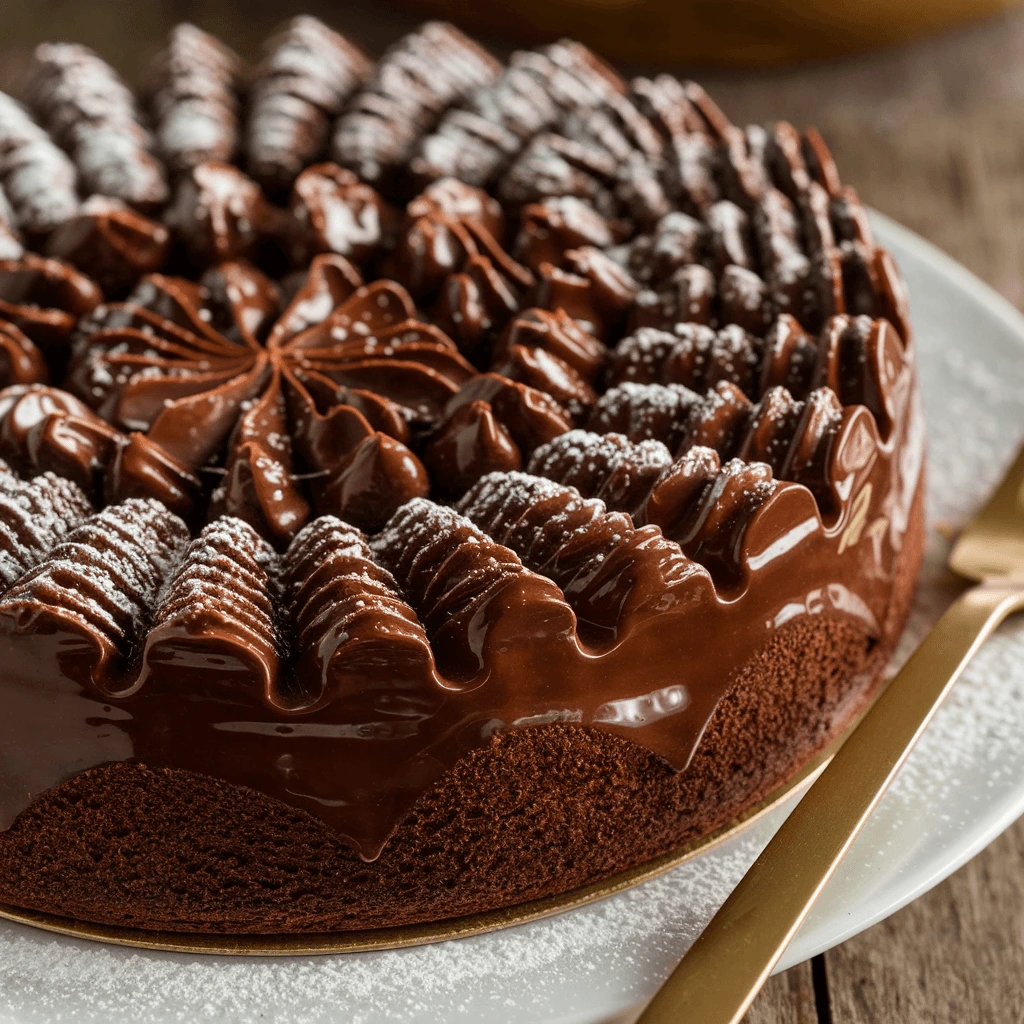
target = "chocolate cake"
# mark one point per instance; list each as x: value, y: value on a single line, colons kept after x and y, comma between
x: 428, y: 484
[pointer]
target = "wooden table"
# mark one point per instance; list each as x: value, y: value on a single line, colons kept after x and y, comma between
x: 933, y: 135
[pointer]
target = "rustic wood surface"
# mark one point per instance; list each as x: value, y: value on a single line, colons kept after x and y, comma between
x: 933, y: 135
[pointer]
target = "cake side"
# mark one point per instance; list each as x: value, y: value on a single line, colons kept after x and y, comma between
x: 534, y: 813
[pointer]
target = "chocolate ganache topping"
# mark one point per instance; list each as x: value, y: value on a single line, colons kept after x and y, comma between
x: 482, y: 398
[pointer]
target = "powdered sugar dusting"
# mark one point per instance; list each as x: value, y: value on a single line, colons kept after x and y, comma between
x: 645, y: 411
x: 33, y: 518
x: 108, y: 571
x: 89, y: 111
x: 193, y: 99
x: 38, y: 179
x: 224, y: 576
x: 497, y: 500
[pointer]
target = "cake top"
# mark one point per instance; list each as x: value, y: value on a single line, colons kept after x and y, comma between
x: 424, y: 266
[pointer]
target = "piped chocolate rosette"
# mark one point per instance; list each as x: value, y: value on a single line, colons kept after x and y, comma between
x: 339, y: 379
x: 472, y: 403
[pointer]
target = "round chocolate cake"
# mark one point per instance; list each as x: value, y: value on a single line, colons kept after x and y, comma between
x: 428, y: 485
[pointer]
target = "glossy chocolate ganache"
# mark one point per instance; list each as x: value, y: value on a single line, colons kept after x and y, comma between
x: 357, y: 413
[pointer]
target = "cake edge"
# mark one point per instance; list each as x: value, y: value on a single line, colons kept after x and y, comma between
x: 537, y: 813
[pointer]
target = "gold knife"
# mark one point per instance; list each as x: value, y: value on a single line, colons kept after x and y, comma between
x: 732, y: 958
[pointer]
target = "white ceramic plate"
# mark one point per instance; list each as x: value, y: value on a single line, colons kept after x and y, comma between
x: 962, y: 786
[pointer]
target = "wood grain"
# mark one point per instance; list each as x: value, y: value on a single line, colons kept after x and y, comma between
x: 955, y: 956
x: 933, y: 135
x: 786, y: 999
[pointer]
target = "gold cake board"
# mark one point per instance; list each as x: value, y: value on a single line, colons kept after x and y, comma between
x: 307, y: 944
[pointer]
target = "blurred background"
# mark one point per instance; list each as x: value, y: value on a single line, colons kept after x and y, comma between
x: 719, y: 33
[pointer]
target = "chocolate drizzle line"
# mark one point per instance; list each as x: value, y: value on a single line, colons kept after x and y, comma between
x: 308, y: 73
x: 92, y: 115
x: 193, y: 96
x: 621, y: 377
x: 416, y: 80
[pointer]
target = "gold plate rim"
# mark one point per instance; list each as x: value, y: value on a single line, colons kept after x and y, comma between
x: 377, y: 939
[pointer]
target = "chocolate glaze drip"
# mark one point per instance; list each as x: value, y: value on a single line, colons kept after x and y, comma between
x: 193, y: 96
x: 97, y: 586
x: 221, y: 595
x: 697, y: 501
x: 348, y: 615
x: 418, y: 77
x: 308, y: 74
x: 452, y: 572
x: 557, y: 582
x: 608, y: 570
x: 92, y: 115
